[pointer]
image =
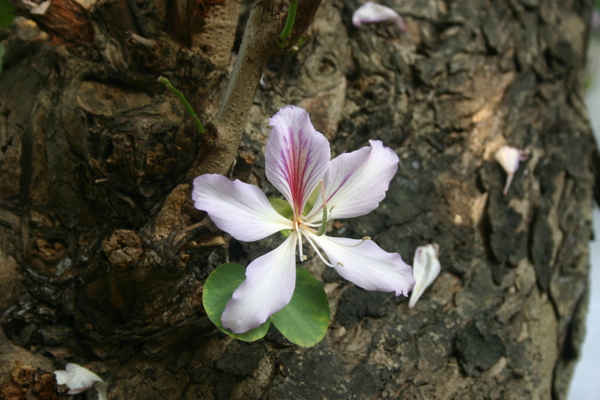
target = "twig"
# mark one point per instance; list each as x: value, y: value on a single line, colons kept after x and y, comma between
x: 186, y: 104
x: 258, y: 44
x: 289, y: 24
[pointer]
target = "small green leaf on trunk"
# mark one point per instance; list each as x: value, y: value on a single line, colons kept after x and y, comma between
x: 218, y: 289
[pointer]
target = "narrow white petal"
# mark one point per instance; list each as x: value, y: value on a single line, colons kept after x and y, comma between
x: 296, y: 156
x: 269, y: 286
x: 77, y: 378
x: 240, y: 209
x: 373, y: 12
x: 366, y: 265
x: 356, y: 182
x: 426, y: 267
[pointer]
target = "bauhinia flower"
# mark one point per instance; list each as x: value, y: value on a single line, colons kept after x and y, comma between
x: 372, y: 12
x: 509, y: 158
x: 79, y: 379
x: 297, y: 161
x: 426, y: 267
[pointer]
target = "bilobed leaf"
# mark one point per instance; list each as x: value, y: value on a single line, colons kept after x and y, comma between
x: 305, y: 319
x: 284, y: 209
x: 218, y: 289
x: 312, y: 200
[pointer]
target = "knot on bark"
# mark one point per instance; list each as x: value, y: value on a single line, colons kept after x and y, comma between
x: 123, y: 248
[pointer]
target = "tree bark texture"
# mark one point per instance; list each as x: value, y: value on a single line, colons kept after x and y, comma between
x: 103, y: 257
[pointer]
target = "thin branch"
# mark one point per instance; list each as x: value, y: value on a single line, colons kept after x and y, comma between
x: 289, y: 24
x: 186, y: 104
x: 258, y: 44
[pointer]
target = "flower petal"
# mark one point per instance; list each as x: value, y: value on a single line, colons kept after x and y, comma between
x: 77, y: 378
x: 240, y: 209
x: 366, y: 265
x: 509, y: 158
x: 373, y: 12
x: 426, y: 267
x: 296, y: 157
x: 356, y: 182
x: 269, y: 286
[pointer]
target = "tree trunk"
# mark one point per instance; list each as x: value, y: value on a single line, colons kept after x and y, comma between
x: 103, y: 256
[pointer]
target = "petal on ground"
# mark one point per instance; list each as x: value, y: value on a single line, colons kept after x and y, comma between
x: 371, y: 12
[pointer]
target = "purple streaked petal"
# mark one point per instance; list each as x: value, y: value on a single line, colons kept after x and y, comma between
x: 356, y: 182
x: 269, y: 286
x: 296, y: 157
x: 240, y: 209
x: 373, y: 12
x: 367, y: 265
x: 426, y: 267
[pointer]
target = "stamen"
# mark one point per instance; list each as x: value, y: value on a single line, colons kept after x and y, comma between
x: 357, y: 244
x: 324, y: 220
x: 302, y: 256
x: 319, y: 253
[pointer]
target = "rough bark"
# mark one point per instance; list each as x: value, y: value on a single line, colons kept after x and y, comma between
x: 103, y: 257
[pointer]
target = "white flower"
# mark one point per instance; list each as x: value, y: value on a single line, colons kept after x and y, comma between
x: 426, y: 267
x: 373, y: 12
x: 79, y: 379
x: 297, y: 161
x: 509, y: 158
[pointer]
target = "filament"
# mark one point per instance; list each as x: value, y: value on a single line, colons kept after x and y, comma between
x: 320, y: 255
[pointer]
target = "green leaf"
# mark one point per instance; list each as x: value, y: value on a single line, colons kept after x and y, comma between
x: 218, y: 289
x: 305, y: 319
x: 285, y: 210
x: 312, y: 200
x: 282, y: 207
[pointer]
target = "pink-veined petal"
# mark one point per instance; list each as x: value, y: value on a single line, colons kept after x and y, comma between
x: 268, y: 287
x: 356, y: 182
x: 240, y: 209
x: 366, y: 265
x: 296, y: 156
x: 426, y: 267
x: 373, y: 12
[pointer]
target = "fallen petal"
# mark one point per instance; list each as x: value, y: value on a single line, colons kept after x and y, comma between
x: 79, y: 379
x: 426, y: 267
x: 269, y: 286
x: 296, y: 156
x: 509, y: 158
x: 373, y: 12
x: 240, y: 209
x: 356, y: 182
x: 366, y: 265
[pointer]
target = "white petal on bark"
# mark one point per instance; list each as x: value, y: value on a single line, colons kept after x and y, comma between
x: 426, y: 267
x: 240, y: 209
x: 356, y: 182
x: 269, y: 286
x: 296, y: 157
x: 509, y: 158
x: 372, y: 12
x: 79, y: 379
x: 367, y: 265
